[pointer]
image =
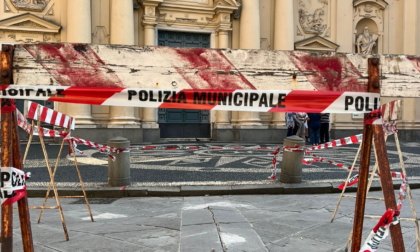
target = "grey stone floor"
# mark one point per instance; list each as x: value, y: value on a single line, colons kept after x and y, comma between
x: 217, y: 223
x: 194, y: 167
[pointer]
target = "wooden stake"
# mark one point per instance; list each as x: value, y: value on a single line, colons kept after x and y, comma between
x: 24, y: 217
x: 80, y: 178
x: 29, y: 141
x: 373, y: 85
x: 345, y: 184
x: 397, y: 142
x: 41, y: 138
x: 49, y: 185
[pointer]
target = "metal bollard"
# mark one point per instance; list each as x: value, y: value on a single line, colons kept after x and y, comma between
x: 119, y: 170
x: 291, y: 164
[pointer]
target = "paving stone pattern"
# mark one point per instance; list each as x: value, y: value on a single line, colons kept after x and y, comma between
x: 200, y: 166
x: 214, y: 223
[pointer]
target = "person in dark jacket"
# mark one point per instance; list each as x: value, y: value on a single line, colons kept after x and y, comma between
x: 325, y: 128
x: 314, y: 128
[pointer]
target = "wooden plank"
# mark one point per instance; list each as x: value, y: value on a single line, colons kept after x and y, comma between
x: 186, y: 68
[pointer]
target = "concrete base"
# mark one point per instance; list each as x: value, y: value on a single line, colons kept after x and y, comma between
x: 151, y: 135
x: 102, y: 135
x: 249, y: 135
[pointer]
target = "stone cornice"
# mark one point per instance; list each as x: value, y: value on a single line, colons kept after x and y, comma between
x: 379, y: 3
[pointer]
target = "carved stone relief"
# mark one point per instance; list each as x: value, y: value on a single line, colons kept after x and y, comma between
x: 313, y: 16
x: 29, y: 24
x: 30, y: 5
x: 150, y: 11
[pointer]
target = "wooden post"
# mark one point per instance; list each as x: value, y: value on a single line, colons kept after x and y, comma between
x: 24, y: 217
x: 6, y: 146
x: 387, y: 185
x: 10, y: 150
x: 373, y: 64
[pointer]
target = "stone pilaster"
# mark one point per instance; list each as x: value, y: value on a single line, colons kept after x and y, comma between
x: 250, y: 39
x: 283, y: 40
x: 149, y: 23
x: 122, y: 33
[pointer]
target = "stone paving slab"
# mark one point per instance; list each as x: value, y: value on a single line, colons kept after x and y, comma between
x: 292, y: 222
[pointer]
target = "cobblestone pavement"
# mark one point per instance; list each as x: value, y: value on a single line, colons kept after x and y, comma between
x: 204, y: 166
x: 217, y: 223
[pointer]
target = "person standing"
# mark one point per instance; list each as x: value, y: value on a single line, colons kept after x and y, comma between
x: 297, y: 123
x: 325, y: 128
x: 290, y: 124
x: 302, y: 119
x: 314, y: 128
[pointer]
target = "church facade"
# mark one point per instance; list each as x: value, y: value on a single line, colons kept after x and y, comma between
x: 350, y: 26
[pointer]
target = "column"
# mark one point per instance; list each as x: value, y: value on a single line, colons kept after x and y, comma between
x: 249, y: 38
x: 222, y: 117
x: 149, y: 23
x: 283, y: 40
x: 79, y: 31
x: 283, y: 26
x: 410, y: 17
x: 122, y: 33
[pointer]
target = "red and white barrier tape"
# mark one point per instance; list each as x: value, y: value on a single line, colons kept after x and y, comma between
x: 204, y: 99
x: 390, y: 218
x: 13, y: 185
x: 390, y: 128
x: 274, y: 172
x: 380, y: 231
x: 50, y: 116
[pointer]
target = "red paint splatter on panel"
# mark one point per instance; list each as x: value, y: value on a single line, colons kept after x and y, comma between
x: 335, y: 73
x: 415, y: 60
x: 206, y: 69
x: 74, y: 65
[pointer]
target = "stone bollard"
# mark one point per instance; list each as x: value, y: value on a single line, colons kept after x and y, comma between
x: 291, y: 164
x: 119, y: 170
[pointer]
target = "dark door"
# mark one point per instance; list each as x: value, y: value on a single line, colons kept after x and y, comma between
x: 184, y: 123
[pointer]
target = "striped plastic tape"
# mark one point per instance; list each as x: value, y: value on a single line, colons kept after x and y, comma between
x: 214, y: 99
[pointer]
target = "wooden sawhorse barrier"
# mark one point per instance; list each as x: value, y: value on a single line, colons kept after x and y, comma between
x: 52, y: 174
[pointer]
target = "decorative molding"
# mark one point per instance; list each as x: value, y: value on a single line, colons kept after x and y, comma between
x: 316, y: 43
x: 30, y: 5
x: 186, y: 20
x: 264, y: 45
x: 50, y: 12
x: 378, y: 3
x: 298, y: 31
x: 100, y: 33
x: 6, y: 7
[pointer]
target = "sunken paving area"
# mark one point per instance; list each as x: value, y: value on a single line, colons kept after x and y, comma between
x: 214, y: 223
x: 202, y: 167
